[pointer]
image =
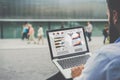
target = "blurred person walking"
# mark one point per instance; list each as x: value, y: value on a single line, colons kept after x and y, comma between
x: 25, y: 31
x: 40, y: 35
x: 105, y: 34
x: 89, y: 29
x: 31, y: 34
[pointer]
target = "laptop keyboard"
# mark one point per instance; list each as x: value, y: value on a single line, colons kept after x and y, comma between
x: 71, y: 62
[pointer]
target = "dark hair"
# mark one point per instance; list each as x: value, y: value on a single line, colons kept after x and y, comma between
x: 114, y: 4
x: 25, y: 22
x: 40, y: 25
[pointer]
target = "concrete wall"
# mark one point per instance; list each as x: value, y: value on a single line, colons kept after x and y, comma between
x: 53, y: 9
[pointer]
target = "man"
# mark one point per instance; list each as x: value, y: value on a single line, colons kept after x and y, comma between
x: 105, y: 63
x: 89, y: 29
x: 105, y: 33
x: 40, y: 34
x: 25, y: 31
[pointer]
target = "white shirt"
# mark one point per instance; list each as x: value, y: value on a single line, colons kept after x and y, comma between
x: 40, y: 31
x: 89, y: 28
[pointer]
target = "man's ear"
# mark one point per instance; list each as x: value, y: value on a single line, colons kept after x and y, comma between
x: 115, y: 16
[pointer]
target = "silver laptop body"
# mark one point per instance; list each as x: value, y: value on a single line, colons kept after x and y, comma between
x: 68, y: 48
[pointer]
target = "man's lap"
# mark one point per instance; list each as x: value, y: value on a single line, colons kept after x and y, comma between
x: 57, y: 76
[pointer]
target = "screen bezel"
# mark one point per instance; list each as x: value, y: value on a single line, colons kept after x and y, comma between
x: 68, y: 55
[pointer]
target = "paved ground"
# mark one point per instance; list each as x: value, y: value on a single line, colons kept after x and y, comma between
x: 22, y: 61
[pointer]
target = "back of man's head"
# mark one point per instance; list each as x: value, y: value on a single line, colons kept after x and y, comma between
x: 114, y: 4
x: 114, y: 18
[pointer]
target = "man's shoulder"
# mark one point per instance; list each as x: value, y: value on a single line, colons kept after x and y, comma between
x: 110, y: 51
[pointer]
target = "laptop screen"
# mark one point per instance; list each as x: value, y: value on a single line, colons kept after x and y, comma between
x: 67, y: 41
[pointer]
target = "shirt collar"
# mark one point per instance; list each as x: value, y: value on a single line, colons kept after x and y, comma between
x: 118, y: 40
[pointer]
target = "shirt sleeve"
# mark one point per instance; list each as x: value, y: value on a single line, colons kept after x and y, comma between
x: 104, y: 70
x: 113, y: 69
x: 94, y: 68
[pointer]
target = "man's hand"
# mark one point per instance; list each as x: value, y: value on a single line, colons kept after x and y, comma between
x: 76, y: 71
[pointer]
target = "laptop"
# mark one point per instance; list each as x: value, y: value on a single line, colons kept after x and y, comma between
x: 68, y: 48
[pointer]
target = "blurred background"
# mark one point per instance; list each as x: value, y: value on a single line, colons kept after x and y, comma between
x: 51, y: 14
x: 22, y: 61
